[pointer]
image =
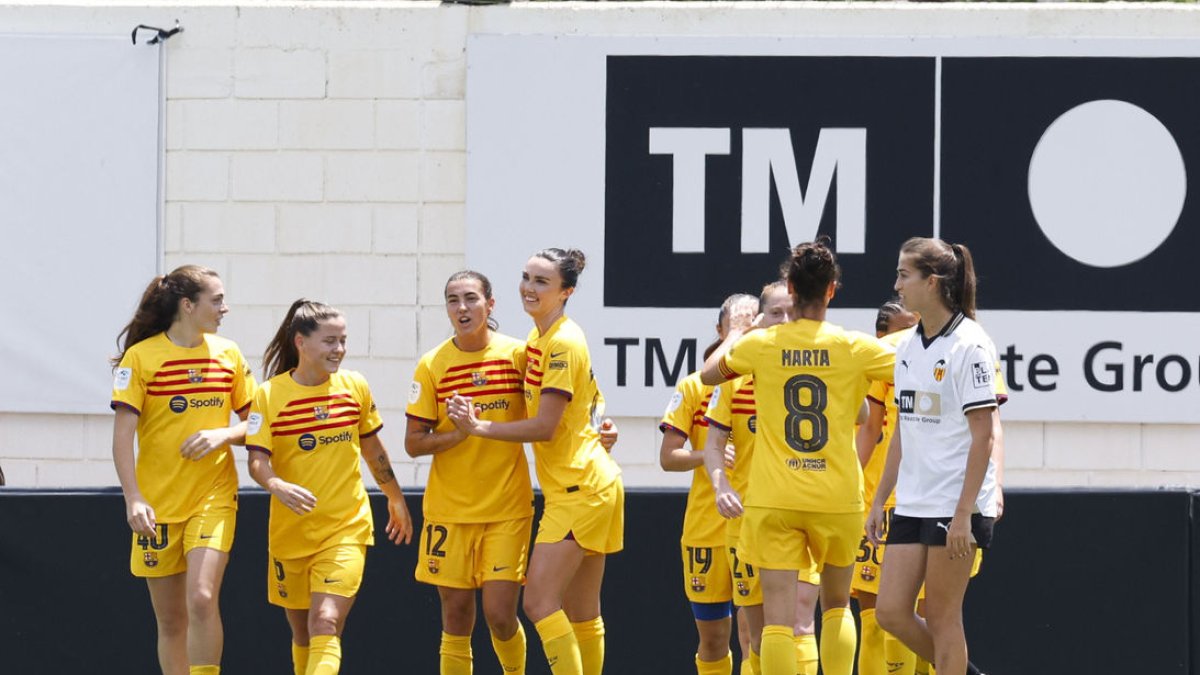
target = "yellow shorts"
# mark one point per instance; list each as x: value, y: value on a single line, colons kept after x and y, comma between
x: 165, y: 553
x: 869, y: 564
x: 706, y: 575
x: 465, y: 555
x: 338, y: 570
x: 596, y: 521
x: 783, y: 539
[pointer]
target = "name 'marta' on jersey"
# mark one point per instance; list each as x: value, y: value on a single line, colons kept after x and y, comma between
x: 573, y: 460
x: 938, y: 381
x: 478, y: 480
x: 810, y: 381
x: 702, y: 525
x: 313, y: 436
x: 177, y: 391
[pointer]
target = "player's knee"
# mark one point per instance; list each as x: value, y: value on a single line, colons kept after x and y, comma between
x: 537, y: 605
x: 714, y: 641
x: 324, y: 623
x: 172, y: 622
x: 892, y: 619
x: 202, y: 602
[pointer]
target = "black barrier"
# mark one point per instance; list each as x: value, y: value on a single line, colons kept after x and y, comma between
x: 1078, y: 581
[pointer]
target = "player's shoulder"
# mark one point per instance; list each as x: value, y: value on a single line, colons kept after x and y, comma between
x: 691, y: 385
x: 969, y: 336
x: 443, y: 351
x: 218, y: 344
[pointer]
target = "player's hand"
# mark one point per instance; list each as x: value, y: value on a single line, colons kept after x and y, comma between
x: 958, y: 537
x: 729, y: 502
x: 140, y: 516
x: 608, y: 433
x: 293, y: 496
x: 999, y: 502
x: 742, y: 317
x: 203, y: 442
x: 875, y: 524
x: 730, y: 455
x: 399, y: 526
x: 461, y: 411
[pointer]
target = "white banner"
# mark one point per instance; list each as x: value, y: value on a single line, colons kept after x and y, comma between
x: 685, y: 168
x: 79, y: 155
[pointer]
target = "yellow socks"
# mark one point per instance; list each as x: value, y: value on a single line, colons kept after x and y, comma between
x: 899, y: 658
x: 324, y: 655
x: 590, y: 635
x: 922, y: 667
x: 839, y: 638
x: 778, y: 651
x: 870, y: 652
x: 719, y: 667
x: 299, y: 659
x: 746, y: 668
x: 511, y: 652
x: 755, y: 663
x: 204, y: 670
x: 558, y: 640
x: 806, y: 654
x: 455, y: 654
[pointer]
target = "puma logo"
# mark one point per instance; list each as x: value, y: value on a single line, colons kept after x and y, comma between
x: 944, y: 526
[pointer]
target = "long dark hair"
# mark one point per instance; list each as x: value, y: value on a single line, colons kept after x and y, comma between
x: 951, y: 265
x: 810, y: 270
x: 160, y: 305
x: 303, y: 317
x: 887, y: 310
x: 484, y: 283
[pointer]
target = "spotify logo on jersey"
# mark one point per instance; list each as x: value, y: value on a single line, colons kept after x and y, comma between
x: 307, y: 442
x: 178, y: 404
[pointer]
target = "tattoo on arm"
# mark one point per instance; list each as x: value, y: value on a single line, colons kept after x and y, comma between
x: 383, y: 471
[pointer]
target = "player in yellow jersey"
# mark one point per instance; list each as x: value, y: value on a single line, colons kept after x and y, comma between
x: 584, y: 515
x: 706, y: 579
x: 940, y: 461
x: 478, y: 505
x: 803, y: 506
x: 310, y: 427
x: 732, y: 417
x: 176, y: 386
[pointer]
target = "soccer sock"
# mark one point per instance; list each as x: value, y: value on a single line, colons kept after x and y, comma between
x: 899, y: 658
x: 746, y: 668
x: 590, y: 635
x: 755, y: 663
x: 871, y: 651
x: 511, y: 652
x: 204, y: 670
x: 839, y: 638
x: 778, y: 651
x: 558, y: 640
x: 723, y: 666
x: 806, y: 654
x: 299, y: 659
x: 455, y: 654
x: 324, y: 655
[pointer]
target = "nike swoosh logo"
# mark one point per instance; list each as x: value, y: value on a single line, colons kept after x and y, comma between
x: 332, y: 581
x: 206, y: 536
x: 499, y: 569
x: 555, y: 355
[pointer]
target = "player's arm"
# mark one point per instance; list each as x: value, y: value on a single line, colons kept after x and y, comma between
x: 399, y: 525
x: 982, y: 423
x: 672, y: 456
x: 887, y: 483
x: 420, y: 438
x: 729, y: 502
x: 205, y: 441
x: 295, y: 497
x: 535, y: 429
x: 138, y: 512
x: 868, y: 434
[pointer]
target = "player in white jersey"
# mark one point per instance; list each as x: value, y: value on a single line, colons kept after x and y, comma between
x: 940, y: 461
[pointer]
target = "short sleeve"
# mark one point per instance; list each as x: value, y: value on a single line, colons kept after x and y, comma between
x: 878, y: 392
x: 878, y: 358
x: 720, y: 407
x: 561, y: 362
x: 369, y: 420
x: 129, y: 384
x: 740, y: 358
x: 680, y: 409
x: 258, y: 422
x: 423, y: 395
x: 975, y: 378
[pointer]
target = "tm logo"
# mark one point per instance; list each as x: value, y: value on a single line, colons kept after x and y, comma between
x: 308, y: 442
x: 178, y: 404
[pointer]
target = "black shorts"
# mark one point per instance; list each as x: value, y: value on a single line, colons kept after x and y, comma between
x: 932, y: 531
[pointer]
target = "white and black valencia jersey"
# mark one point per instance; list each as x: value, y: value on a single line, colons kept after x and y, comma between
x: 938, y: 380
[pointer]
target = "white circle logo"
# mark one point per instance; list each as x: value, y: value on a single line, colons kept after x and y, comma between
x: 1107, y: 183
x: 925, y: 403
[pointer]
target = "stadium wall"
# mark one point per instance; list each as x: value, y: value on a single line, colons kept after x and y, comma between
x: 319, y: 149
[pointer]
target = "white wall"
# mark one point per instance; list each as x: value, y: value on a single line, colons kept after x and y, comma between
x: 318, y: 149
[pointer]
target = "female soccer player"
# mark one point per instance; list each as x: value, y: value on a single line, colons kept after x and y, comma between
x: 584, y: 514
x: 478, y: 505
x: 706, y: 579
x: 804, y: 500
x: 309, y: 425
x: 175, y: 386
x: 940, y: 461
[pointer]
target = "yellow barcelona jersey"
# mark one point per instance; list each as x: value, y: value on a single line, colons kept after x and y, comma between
x: 702, y: 525
x: 177, y: 391
x: 313, y: 437
x: 734, y: 412
x: 810, y: 381
x: 478, y: 480
x: 573, y: 460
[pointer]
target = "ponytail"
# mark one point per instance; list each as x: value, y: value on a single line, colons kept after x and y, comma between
x: 303, y: 317
x: 160, y: 305
x: 952, y: 266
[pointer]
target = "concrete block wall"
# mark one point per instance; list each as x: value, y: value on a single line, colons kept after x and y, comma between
x: 318, y: 149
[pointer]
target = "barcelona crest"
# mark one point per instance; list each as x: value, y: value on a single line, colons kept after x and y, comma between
x: 195, y: 375
x: 742, y: 589
x: 150, y: 558
x: 281, y: 590
x: 867, y: 572
x: 434, y: 566
x: 698, y: 584
x: 478, y: 379
x: 321, y: 412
